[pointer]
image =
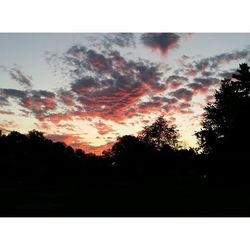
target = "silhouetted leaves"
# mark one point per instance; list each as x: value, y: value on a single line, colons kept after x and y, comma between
x: 225, y: 130
x: 160, y: 133
x: 225, y: 127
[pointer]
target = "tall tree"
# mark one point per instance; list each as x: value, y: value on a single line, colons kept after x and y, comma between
x: 226, y: 121
x: 160, y: 134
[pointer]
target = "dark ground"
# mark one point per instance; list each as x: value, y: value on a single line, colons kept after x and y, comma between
x: 116, y: 198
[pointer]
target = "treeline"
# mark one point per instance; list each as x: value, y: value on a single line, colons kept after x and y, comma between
x: 35, y: 158
x: 154, y: 152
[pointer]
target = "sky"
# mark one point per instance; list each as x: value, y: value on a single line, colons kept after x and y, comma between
x: 86, y: 89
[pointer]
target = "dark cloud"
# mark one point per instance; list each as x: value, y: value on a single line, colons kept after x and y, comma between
x: 85, y: 84
x: 209, y: 66
x: 183, y: 94
x: 164, y: 99
x: 5, y: 94
x: 207, y: 81
x: 183, y: 59
x: 16, y: 74
x: 174, y: 82
x: 184, y: 105
x: 202, y: 65
x: 227, y: 73
x: 161, y: 41
x: 39, y: 102
x: 207, y: 73
x: 24, y: 80
x: 66, y: 97
x: 228, y: 57
x: 159, y: 104
x: 149, y: 106
x: 79, y: 61
x: 97, y: 61
x: 202, y: 85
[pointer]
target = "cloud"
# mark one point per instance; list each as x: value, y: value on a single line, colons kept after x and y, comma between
x: 167, y: 105
x: 102, y: 128
x: 4, y: 130
x: 97, y: 61
x: 107, y: 85
x: 78, y: 61
x: 227, y: 73
x: 56, y: 117
x: 5, y: 94
x: 3, y: 68
x: 228, y: 57
x: 119, y: 39
x: 183, y: 59
x: 203, y: 64
x: 3, y: 112
x: 184, y: 105
x: 77, y: 142
x: 66, y: 97
x: 183, y: 94
x: 16, y: 74
x: 207, y: 73
x: 174, y: 81
x: 148, y: 107
x: 156, y: 103
x: 175, y: 106
x: 163, y: 42
x: 24, y: 80
x: 208, y: 66
x: 202, y: 85
x: 39, y: 102
x: 98, y: 150
x: 8, y: 126
x: 73, y: 140
x: 85, y: 84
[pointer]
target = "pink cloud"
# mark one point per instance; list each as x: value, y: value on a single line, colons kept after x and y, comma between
x: 102, y: 128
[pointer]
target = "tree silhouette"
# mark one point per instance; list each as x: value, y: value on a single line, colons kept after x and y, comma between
x: 36, y: 136
x: 226, y: 121
x: 160, y: 134
x: 127, y: 148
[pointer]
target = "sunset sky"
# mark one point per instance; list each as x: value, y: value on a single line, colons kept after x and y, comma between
x: 88, y: 89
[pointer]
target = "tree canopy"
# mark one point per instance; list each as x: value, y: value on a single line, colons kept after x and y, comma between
x: 226, y: 121
x: 160, y: 134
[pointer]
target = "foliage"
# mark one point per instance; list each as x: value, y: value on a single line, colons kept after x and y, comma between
x: 226, y: 121
x: 160, y: 134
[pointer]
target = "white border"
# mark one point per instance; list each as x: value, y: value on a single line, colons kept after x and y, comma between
x: 124, y: 16
x: 124, y: 233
